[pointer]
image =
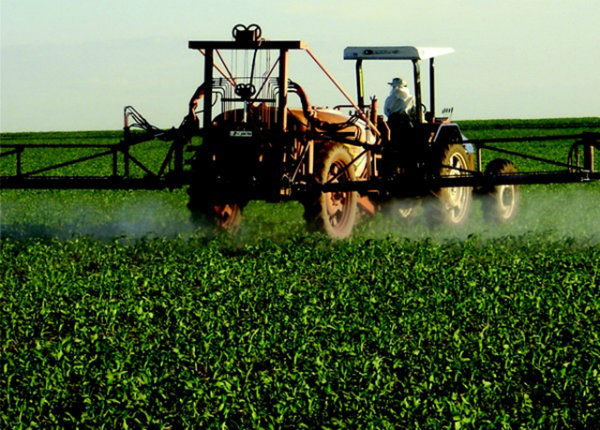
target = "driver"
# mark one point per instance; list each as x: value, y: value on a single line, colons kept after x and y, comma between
x: 400, y: 102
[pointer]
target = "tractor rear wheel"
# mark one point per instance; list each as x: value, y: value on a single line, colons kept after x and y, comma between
x: 207, y: 205
x: 223, y: 216
x: 334, y: 212
x: 451, y: 204
x: 500, y: 202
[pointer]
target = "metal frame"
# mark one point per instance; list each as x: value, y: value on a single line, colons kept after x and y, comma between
x: 169, y: 175
x: 422, y: 181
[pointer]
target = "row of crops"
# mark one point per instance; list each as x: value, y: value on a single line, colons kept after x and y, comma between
x: 116, y: 313
x: 301, y: 334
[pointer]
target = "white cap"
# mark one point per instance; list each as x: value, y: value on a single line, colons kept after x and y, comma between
x: 398, y: 82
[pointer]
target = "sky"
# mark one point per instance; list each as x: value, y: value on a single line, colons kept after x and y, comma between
x: 74, y: 64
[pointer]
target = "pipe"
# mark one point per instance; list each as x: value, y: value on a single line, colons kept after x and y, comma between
x: 359, y: 111
x: 432, y: 89
x: 216, y: 66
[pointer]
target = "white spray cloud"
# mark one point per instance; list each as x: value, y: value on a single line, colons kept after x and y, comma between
x: 556, y: 213
x: 552, y: 212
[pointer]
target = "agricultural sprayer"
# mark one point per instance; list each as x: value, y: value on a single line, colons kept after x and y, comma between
x: 242, y: 139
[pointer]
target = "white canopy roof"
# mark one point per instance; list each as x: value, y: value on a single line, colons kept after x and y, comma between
x: 393, y: 52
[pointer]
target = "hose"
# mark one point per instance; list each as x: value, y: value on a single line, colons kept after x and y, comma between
x: 311, y: 114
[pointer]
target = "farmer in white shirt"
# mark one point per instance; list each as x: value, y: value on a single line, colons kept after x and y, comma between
x: 399, y: 101
x: 399, y: 107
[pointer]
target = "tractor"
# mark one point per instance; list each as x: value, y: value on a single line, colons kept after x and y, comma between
x: 258, y: 147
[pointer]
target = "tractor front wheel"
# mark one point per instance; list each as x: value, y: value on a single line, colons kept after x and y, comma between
x: 222, y: 216
x: 333, y: 212
x: 451, y: 204
x: 500, y: 202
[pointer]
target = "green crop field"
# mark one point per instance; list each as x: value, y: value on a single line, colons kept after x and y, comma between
x: 117, y: 313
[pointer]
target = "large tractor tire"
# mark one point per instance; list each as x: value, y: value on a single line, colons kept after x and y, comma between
x: 333, y: 213
x: 500, y: 202
x: 208, y: 209
x: 451, y: 205
x: 205, y: 212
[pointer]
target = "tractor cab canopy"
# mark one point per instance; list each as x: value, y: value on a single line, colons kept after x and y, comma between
x: 412, y: 53
x: 393, y: 53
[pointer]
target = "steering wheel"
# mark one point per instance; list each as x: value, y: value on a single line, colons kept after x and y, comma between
x: 426, y: 114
